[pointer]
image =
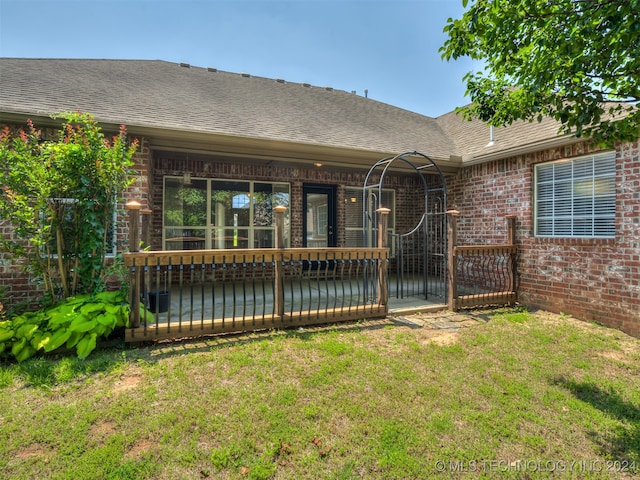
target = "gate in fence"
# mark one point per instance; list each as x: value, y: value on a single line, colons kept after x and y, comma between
x: 419, y: 256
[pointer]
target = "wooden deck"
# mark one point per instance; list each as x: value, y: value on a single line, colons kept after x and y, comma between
x: 223, y: 291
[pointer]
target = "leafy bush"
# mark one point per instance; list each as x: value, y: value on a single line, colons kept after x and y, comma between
x: 76, y: 323
x: 60, y: 197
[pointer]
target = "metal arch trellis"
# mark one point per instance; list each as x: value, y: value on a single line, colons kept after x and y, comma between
x: 419, y: 256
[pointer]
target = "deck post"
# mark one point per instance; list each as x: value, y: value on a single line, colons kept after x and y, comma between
x: 278, y: 282
x: 511, y: 240
x: 383, y: 222
x: 452, y: 235
x: 146, y: 227
x: 145, y: 242
x: 134, y: 246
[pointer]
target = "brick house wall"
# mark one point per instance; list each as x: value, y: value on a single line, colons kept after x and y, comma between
x: 408, y: 188
x: 591, y: 279
x: 16, y: 287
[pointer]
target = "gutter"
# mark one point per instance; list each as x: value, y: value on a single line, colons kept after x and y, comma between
x: 469, y: 160
x: 257, y: 148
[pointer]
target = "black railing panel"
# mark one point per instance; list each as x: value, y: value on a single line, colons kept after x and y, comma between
x: 191, y: 293
x: 485, y: 275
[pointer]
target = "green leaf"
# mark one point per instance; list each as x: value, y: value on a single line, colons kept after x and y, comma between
x: 107, y: 319
x: 77, y: 300
x: 58, y: 339
x: 25, y: 353
x: 26, y: 331
x: 18, y: 346
x: 6, y: 335
x: 110, y: 308
x: 61, y: 320
x: 86, y: 345
x: 82, y: 324
x: 77, y: 163
x: 143, y: 311
x: 91, y: 308
x: 40, y: 339
x: 564, y: 59
x: 125, y: 313
x: 74, y: 338
x: 102, y: 330
x: 19, y: 320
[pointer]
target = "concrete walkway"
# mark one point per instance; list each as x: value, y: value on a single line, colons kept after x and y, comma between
x: 409, y: 305
x: 257, y: 298
x: 440, y: 320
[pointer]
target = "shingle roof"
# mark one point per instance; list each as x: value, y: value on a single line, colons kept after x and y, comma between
x: 154, y: 93
x: 167, y: 95
x: 472, y: 138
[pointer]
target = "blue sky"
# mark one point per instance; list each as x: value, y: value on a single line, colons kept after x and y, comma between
x: 388, y: 47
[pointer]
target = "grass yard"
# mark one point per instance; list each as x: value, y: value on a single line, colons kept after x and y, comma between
x: 491, y: 394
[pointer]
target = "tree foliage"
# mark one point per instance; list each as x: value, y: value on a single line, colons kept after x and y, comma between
x: 60, y: 196
x: 577, y: 61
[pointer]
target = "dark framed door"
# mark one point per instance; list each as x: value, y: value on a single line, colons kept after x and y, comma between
x: 319, y: 216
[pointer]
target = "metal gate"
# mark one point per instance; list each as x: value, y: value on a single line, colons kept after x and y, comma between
x: 418, y: 258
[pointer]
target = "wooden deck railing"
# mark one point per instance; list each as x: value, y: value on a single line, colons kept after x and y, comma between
x: 190, y: 293
x: 481, y: 275
x: 200, y: 292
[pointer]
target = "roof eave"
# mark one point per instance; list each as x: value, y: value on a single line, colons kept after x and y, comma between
x: 520, y: 150
x: 278, y: 151
x: 273, y: 150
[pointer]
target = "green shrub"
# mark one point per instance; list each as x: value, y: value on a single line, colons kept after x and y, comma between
x: 78, y: 323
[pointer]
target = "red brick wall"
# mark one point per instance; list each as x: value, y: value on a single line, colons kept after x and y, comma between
x: 408, y: 187
x: 591, y: 279
x: 138, y: 191
x: 16, y: 286
x: 147, y: 189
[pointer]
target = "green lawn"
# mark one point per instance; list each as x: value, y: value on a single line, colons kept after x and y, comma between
x: 518, y: 395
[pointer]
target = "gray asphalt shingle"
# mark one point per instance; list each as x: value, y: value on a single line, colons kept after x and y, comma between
x: 154, y: 93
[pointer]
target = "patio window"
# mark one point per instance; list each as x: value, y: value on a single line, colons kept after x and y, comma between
x: 213, y: 213
x: 576, y: 197
x: 354, y: 220
x: 68, y: 210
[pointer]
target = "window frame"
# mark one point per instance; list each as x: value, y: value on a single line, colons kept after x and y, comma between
x: 113, y: 251
x: 208, y: 233
x: 358, y: 193
x: 561, y: 201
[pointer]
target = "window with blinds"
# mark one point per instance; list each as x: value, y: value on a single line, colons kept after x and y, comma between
x: 354, y: 236
x: 69, y: 211
x: 576, y: 197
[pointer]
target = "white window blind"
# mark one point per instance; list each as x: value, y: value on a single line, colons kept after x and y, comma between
x: 354, y: 219
x: 576, y: 197
x: 69, y: 211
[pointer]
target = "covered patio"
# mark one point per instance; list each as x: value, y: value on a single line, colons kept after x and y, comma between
x: 188, y: 293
